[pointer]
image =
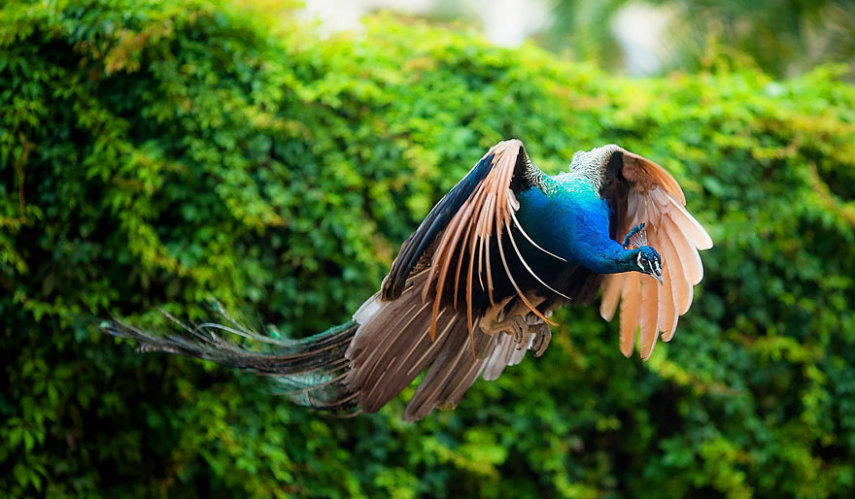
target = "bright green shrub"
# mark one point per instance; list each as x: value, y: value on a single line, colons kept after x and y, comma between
x: 161, y: 153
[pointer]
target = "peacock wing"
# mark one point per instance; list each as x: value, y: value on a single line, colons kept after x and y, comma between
x: 477, y: 212
x: 414, y: 322
x: 641, y: 191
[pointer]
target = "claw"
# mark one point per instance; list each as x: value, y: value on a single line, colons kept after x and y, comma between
x: 542, y: 337
x: 520, y: 328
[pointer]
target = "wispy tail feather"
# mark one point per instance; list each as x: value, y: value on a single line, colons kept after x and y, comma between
x: 309, y: 371
x: 355, y: 367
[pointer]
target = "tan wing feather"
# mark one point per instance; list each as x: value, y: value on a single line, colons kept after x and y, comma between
x: 612, y: 286
x: 667, y: 309
x: 644, y: 175
x: 656, y: 199
x: 671, y: 291
x: 649, y: 315
x: 485, y: 215
x: 680, y: 283
x: 630, y: 311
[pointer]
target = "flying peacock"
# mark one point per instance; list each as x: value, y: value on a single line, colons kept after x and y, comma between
x: 473, y: 288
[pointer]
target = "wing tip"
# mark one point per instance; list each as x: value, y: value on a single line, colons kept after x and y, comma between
x: 606, y: 315
x: 626, y: 351
x: 505, y: 145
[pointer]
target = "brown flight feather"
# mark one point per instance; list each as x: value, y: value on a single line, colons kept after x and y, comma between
x: 656, y: 199
x: 485, y: 215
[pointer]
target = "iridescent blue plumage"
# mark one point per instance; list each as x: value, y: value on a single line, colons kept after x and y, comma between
x: 578, y: 224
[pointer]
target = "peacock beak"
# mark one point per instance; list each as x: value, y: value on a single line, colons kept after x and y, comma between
x: 657, y: 274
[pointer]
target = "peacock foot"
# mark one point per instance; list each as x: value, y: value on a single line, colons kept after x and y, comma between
x: 528, y: 330
x: 542, y: 336
x: 502, y: 318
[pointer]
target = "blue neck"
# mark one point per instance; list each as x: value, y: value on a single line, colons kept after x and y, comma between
x: 610, y: 259
x: 572, y: 221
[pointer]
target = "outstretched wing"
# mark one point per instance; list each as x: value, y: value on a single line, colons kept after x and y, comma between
x: 416, y: 322
x: 641, y: 191
x: 455, y: 237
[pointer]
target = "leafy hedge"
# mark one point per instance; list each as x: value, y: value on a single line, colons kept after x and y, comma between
x: 160, y: 153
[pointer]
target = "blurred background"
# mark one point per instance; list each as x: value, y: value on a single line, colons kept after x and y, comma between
x: 783, y: 37
x: 274, y: 155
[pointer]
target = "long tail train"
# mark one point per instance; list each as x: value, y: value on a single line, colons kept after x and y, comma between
x: 360, y: 365
x: 309, y: 371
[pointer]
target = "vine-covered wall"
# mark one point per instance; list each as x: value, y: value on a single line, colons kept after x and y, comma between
x: 158, y: 154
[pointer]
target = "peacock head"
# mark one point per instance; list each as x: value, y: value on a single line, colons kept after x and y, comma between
x: 649, y: 262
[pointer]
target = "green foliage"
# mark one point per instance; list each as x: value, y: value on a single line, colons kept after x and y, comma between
x: 160, y: 153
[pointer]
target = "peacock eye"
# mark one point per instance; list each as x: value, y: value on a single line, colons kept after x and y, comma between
x: 641, y: 260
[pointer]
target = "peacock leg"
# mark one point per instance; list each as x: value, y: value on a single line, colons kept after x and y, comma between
x: 497, y: 319
x: 530, y: 331
x: 514, y: 325
x: 493, y: 321
x: 520, y: 323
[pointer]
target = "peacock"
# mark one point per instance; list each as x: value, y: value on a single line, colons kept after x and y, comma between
x: 472, y: 290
